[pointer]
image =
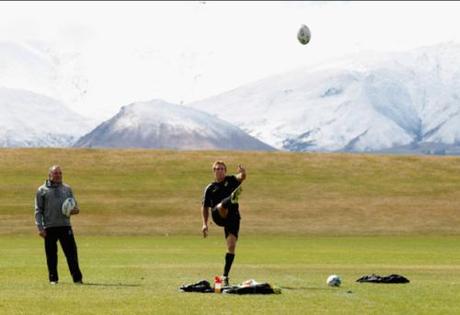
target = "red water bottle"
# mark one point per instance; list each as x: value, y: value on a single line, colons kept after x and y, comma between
x: 217, y: 284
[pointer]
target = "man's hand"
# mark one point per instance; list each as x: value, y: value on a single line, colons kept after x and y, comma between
x: 204, y: 229
x: 241, y: 173
x: 75, y: 211
x: 42, y: 233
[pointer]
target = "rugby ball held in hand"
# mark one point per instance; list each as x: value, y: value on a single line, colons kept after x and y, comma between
x: 67, y: 206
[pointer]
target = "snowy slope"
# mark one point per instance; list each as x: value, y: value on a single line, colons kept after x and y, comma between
x: 43, y: 69
x: 25, y: 68
x: 367, y: 102
x: 28, y: 119
x: 158, y: 124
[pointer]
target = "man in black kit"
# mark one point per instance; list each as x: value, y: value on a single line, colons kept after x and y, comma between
x: 222, y: 197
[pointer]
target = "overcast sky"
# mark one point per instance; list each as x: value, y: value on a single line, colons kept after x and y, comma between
x: 185, y: 51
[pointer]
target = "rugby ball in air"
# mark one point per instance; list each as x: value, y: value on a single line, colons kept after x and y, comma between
x: 68, y: 206
x: 334, y: 281
x: 303, y: 34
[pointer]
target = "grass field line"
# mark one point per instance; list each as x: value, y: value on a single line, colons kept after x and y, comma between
x: 294, y: 266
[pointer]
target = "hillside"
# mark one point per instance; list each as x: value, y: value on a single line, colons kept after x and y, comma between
x: 367, y: 102
x: 46, y: 69
x: 28, y: 119
x: 159, y: 192
x: 161, y: 125
x: 392, y: 102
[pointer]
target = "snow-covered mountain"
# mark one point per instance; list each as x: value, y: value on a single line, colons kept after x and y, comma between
x: 368, y: 102
x: 23, y: 67
x: 29, y: 119
x: 158, y: 124
x: 44, y: 69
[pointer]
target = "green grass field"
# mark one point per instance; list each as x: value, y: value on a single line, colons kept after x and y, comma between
x: 141, y: 274
x: 305, y: 216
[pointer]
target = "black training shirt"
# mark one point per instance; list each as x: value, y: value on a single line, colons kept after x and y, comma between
x: 216, y: 192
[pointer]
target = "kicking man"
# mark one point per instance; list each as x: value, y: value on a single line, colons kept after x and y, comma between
x: 222, y: 197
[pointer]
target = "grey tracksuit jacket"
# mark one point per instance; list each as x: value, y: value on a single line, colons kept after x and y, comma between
x: 48, y: 204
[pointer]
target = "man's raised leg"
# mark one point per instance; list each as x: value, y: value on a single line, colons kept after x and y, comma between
x: 229, y: 201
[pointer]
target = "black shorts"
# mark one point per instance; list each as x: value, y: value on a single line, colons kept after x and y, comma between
x: 231, y: 224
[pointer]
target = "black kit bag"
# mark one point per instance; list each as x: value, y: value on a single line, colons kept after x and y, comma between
x: 202, y: 286
x: 258, y: 288
x: 394, y: 278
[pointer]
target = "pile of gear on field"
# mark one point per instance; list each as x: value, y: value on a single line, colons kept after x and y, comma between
x: 247, y: 287
x: 373, y: 278
x: 254, y: 287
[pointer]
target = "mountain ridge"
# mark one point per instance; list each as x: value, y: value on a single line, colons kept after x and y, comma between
x: 158, y: 124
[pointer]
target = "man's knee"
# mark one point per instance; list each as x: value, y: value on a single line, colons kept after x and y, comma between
x: 231, y: 248
x: 231, y: 243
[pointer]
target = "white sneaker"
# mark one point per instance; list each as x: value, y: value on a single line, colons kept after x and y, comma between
x: 53, y: 282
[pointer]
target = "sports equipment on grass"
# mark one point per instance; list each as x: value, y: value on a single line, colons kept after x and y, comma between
x: 334, y: 281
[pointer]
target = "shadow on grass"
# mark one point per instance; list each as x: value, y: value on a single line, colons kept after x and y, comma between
x: 110, y: 284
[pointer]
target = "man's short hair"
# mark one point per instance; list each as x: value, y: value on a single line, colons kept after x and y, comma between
x: 216, y: 163
x: 52, y: 168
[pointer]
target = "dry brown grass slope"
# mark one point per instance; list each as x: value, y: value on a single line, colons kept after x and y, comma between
x: 159, y: 192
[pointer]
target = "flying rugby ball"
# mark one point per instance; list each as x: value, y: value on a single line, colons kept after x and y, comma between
x: 304, y: 34
x: 68, y: 206
x: 334, y: 281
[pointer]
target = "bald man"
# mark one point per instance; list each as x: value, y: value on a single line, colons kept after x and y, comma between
x: 53, y: 225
